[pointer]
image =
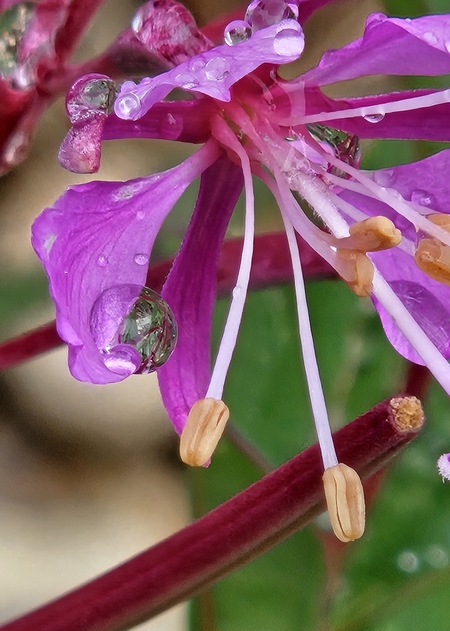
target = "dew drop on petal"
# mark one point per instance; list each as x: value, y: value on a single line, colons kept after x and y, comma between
x: 102, y: 260
x: 196, y: 65
x: 421, y: 197
x: 217, y: 69
x: 430, y: 38
x: 99, y: 95
x: 384, y: 177
x: 171, y: 126
x: 128, y: 105
x: 288, y: 41
x: 408, y: 562
x: 236, y: 32
x: 263, y: 13
x: 141, y: 259
x: 374, y: 118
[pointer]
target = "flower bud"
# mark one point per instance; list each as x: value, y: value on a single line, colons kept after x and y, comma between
x: 204, y: 427
x: 345, y: 502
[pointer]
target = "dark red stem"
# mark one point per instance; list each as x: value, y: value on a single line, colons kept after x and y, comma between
x: 271, y: 265
x: 229, y: 536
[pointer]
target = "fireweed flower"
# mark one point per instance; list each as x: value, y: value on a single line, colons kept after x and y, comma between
x: 385, y: 232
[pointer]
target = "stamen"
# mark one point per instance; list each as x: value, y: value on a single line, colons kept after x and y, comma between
x: 316, y: 396
x: 357, y: 270
x: 344, y: 495
x: 232, y: 324
x: 403, y: 105
x: 372, y: 235
x: 204, y: 426
x: 433, y: 258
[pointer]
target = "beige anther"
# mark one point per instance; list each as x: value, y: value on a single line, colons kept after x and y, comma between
x: 357, y: 271
x: 345, y: 502
x: 204, y: 427
x: 433, y: 257
x: 373, y: 234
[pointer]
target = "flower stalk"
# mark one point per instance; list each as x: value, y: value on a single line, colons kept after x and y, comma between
x: 237, y: 531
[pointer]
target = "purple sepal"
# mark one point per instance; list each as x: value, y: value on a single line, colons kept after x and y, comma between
x: 190, y: 290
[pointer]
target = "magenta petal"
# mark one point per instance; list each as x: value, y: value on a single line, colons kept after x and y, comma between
x: 191, y: 289
x: 431, y: 123
x: 84, y: 243
x: 389, y: 46
x: 185, y: 121
x: 427, y: 300
x: 215, y: 71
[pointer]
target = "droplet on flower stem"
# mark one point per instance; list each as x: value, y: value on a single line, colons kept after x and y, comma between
x: 374, y: 118
x: 143, y: 340
x: 263, y: 13
x: 236, y: 32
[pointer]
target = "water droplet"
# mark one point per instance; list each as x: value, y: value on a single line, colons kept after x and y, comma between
x: 196, y: 65
x: 263, y: 13
x: 408, y: 561
x: 217, y: 69
x: 128, y: 105
x: 143, y: 339
x: 437, y: 557
x: 237, y: 291
x: 384, y: 177
x: 99, y: 94
x: 102, y: 260
x: 187, y: 80
x: 374, y: 118
x: 345, y: 146
x: 236, y: 32
x: 141, y: 259
x: 127, y: 191
x: 421, y: 197
x: 430, y: 38
x: 13, y: 25
x: 288, y: 41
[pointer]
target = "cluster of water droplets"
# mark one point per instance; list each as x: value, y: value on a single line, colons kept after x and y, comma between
x: 143, y: 340
x: 13, y: 25
x: 259, y: 15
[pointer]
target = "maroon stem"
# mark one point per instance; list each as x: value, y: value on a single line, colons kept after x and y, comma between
x: 229, y: 536
x: 271, y: 265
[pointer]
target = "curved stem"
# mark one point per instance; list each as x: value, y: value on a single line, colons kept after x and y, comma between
x: 229, y: 536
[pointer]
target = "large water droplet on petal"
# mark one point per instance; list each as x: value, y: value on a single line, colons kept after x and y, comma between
x: 140, y: 342
x: 99, y: 94
x: 288, y: 41
x: 236, y: 32
x: 13, y: 25
x: 217, y: 69
x: 263, y: 13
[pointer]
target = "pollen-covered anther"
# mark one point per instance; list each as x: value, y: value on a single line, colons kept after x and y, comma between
x: 371, y: 235
x: 344, y: 495
x: 357, y: 270
x: 433, y: 258
x: 204, y: 426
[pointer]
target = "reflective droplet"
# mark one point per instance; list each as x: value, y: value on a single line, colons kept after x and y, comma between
x: 421, y: 197
x: 140, y: 342
x: 384, y: 177
x: 187, y: 80
x: 13, y: 25
x: 374, y: 118
x: 288, y: 41
x: 345, y: 146
x: 430, y: 38
x: 408, y: 561
x: 236, y: 32
x: 196, y: 65
x: 99, y: 94
x: 437, y: 557
x: 263, y: 13
x: 141, y: 259
x: 217, y: 69
x: 237, y: 291
x: 128, y: 105
x: 102, y: 260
